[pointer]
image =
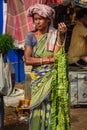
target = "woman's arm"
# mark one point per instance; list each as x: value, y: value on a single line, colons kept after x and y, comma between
x: 61, y: 31
x: 29, y: 60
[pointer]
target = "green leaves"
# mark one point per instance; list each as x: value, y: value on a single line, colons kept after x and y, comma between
x: 60, y: 93
x: 6, y: 43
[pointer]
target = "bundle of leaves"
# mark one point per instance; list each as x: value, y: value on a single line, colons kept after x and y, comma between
x: 6, y: 43
x: 60, y: 92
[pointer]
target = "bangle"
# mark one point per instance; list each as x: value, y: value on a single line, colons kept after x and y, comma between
x: 59, y: 45
x: 41, y: 61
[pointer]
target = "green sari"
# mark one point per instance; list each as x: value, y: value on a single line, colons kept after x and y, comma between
x: 40, y: 105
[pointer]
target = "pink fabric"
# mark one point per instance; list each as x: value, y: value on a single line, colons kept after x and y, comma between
x: 43, y: 10
x: 51, y: 39
x: 17, y: 23
x: 54, y: 1
x: 57, y: 2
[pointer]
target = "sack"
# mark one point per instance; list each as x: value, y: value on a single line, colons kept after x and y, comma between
x: 7, y: 77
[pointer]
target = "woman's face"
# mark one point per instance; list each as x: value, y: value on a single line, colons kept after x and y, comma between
x: 40, y: 22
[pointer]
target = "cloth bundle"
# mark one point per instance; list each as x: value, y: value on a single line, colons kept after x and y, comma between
x: 58, y: 2
x: 7, y: 77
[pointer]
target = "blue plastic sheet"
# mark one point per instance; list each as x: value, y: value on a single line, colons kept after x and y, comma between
x: 1, y: 16
x: 16, y: 58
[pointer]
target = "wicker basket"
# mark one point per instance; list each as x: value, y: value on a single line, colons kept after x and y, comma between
x: 23, y: 107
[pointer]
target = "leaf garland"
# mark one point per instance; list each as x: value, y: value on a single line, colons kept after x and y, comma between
x: 60, y: 93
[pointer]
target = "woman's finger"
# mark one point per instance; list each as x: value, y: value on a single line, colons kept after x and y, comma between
x: 62, y: 27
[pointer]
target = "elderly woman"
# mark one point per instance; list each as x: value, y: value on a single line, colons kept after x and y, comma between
x: 40, y: 46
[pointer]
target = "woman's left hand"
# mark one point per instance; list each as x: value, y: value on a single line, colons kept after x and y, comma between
x: 62, y: 28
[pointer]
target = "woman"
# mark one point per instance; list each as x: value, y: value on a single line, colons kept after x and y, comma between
x: 40, y: 47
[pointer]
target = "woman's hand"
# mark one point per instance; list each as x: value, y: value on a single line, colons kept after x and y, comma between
x: 62, y: 28
x: 61, y: 31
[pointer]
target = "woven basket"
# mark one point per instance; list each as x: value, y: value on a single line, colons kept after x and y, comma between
x: 23, y: 107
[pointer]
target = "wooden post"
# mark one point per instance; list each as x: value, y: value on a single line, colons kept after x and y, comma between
x: 27, y: 92
x: 0, y: 54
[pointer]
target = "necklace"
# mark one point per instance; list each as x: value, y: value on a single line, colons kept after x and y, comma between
x: 39, y: 35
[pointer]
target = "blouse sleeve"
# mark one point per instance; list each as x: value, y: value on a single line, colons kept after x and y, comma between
x: 30, y: 40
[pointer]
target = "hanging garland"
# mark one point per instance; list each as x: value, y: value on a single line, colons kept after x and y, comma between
x: 60, y: 93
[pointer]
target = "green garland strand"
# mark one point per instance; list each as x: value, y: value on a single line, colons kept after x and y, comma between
x: 60, y: 93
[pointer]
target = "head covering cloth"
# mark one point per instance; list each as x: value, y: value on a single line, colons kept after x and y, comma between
x: 43, y: 10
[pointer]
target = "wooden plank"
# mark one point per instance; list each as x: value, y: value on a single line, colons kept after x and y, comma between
x: 27, y: 92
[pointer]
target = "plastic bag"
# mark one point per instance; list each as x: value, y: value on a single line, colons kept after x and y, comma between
x: 7, y: 77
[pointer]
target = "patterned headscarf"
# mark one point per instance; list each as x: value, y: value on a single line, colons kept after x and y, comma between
x: 43, y: 10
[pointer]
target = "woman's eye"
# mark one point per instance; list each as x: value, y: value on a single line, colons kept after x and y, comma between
x: 40, y: 18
